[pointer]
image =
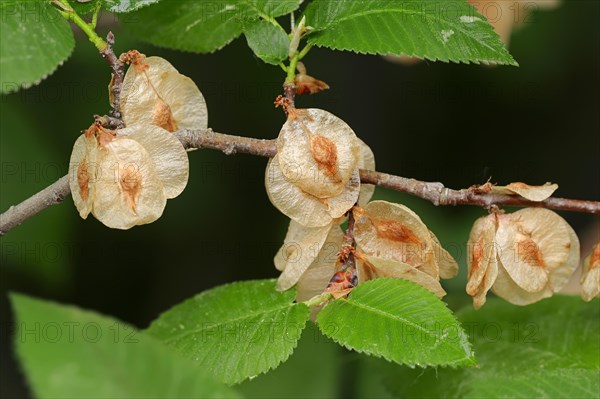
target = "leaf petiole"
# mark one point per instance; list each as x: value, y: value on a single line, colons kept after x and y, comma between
x: 68, y: 13
x: 95, y: 15
x: 304, y: 51
x: 318, y: 300
x: 291, y: 69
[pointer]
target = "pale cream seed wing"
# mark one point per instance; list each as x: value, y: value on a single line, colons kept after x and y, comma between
x: 508, y: 290
x: 168, y: 155
x: 300, y: 248
x: 395, y: 269
x: 315, y: 279
x: 338, y: 205
x: 137, y: 94
x: 296, y: 204
x: 318, y: 152
x: 82, y: 166
x: 366, y: 161
x: 392, y: 231
x: 491, y: 274
x: 561, y: 274
x: 128, y: 190
x: 162, y: 96
x: 590, y: 275
x: 291, y: 250
x: 532, y: 242
x: 446, y: 263
x: 156, y: 67
x: 532, y: 193
x: 480, y: 251
x: 185, y: 100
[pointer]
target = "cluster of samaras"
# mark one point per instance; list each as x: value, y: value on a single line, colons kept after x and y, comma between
x: 314, y: 180
x: 526, y: 256
x: 125, y: 176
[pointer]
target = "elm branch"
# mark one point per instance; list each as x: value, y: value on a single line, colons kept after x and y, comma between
x: 433, y: 192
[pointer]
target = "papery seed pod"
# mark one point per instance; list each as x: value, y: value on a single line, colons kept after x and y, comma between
x: 318, y: 152
x: 82, y: 174
x: 159, y: 95
x: 489, y: 279
x: 560, y: 276
x: 482, y: 260
x: 590, y: 275
x: 129, y: 192
x: 315, y: 279
x: 338, y: 205
x: 371, y: 267
x: 507, y: 289
x: 532, y: 193
x: 537, y: 247
x: 447, y: 265
x: 393, y: 231
x: 300, y: 248
x: 302, y: 207
x: 168, y: 156
x: 365, y: 161
x: 480, y: 251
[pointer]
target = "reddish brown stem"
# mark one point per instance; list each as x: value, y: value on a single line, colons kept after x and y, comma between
x: 289, y: 92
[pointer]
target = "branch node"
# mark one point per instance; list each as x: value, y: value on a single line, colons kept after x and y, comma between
x: 229, y: 149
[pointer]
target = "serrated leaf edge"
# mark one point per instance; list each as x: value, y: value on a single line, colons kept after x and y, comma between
x: 465, y: 361
x: 284, y: 359
x: 25, y: 86
x: 314, y: 35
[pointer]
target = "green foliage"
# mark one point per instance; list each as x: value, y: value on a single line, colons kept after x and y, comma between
x: 399, y: 321
x: 85, y: 8
x: 546, y: 350
x: 444, y: 31
x: 120, y: 6
x: 69, y: 352
x: 317, y: 360
x: 35, y: 40
x: 269, y: 42
x: 202, y: 26
x: 236, y: 331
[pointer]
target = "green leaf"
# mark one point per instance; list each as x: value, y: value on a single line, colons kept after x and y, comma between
x: 236, y: 331
x: 399, y: 321
x: 202, y: 26
x: 69, y: 352
x: 317, y: 359
x: 122, y: 6
x: 117, y: 6
x: 444, y: 31
x: 269, y: 42
x: 84, y: 8
x: 550, y: 349
x: 35, y: 40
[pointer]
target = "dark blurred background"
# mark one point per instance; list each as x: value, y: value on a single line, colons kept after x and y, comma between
x: 458, y: 124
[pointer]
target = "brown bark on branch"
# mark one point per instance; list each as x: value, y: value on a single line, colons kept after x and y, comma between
x: 438, y: 194
x: 116, y: 83
x: 434, y: 192
x: 51, y: 195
